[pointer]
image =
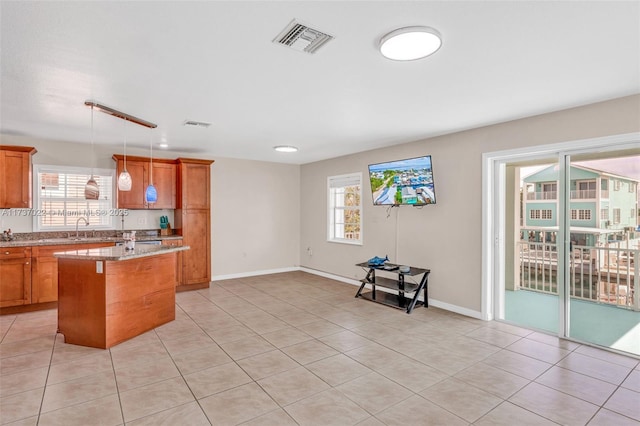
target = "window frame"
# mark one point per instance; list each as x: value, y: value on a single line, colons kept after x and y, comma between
x: 107, y: 210
x: 617, y: 215
x: 581, y: 214
x: 331, y: 207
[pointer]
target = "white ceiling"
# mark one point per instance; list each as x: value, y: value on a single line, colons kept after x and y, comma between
x: 214, y: 61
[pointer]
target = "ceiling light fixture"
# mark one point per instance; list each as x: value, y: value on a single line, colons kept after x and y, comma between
x: 151, y: 194
x: 120, y: 114
x: 285, y: 148
x: 124, y: 179
x: 91, y: 188
x: 410, y: 43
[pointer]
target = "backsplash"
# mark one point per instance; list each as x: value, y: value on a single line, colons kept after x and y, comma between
x: 134, y: 220
x: 28, y: 236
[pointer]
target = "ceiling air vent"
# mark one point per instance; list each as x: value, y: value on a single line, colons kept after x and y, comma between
x: 302, y: 38
x: 196, y: 123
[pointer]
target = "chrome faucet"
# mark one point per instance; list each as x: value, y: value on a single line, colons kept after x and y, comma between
x: 78, y: 222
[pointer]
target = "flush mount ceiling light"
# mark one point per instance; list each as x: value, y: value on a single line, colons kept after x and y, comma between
x: 410, y: 43
x: 285, y: 148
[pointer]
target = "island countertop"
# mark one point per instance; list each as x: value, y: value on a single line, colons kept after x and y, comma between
x: 118, y: 252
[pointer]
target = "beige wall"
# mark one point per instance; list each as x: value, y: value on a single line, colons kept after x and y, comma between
x: 255, y: 217
x: 445, y: 237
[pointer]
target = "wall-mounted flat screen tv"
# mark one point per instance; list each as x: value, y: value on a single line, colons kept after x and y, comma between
x: 403, y: 182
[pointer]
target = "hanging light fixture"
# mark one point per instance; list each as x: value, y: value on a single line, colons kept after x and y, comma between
x: 151, y: 194
x: 91, y: 188
x: 124, y: 179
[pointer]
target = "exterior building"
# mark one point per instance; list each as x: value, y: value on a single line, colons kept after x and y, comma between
x: 604, y: 206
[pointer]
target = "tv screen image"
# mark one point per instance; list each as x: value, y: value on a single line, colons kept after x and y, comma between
x: 403, y: 182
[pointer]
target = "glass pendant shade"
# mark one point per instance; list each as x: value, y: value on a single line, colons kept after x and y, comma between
x: 124, y: 181
x: 151, y: 195
x: 91, y: 189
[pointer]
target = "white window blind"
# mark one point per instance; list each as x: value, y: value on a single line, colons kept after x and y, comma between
x: 59, y: 198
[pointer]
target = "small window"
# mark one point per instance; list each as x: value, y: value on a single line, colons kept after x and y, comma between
x: 580, y: 214
x: 604, y: 214
x: 616, y: 185
x: 546, y: 214
x: 534, y: 214
x: 345, y: 208
x: 632, y: 187
x: 59, y: 198
x: 616, y: 215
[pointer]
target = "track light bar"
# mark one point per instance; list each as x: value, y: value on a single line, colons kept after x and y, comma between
x: 120, y: 114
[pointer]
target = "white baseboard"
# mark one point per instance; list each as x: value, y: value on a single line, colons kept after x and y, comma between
x: 331, y: 276
x: 432, y: 302
x: 455, y: 308
x: 254, y: 273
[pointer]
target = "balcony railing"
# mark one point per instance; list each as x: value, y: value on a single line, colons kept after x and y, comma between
x: 599, y: 274
x: 545, y: 195
x: 583, y: 194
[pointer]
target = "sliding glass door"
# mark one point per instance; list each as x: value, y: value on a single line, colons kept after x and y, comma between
x: 566, y: 254
x: 604, y: 307
x: 531, y: 256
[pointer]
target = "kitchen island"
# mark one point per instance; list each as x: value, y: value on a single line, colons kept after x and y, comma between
x: 109, y: 295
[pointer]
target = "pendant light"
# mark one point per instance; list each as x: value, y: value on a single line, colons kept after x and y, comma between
x: 91, y: 188
x: 151, y: 195
x: 124, y: 179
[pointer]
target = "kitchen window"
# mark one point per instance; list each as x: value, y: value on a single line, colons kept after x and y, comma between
x: 59, y: 198
x: 345, y: 208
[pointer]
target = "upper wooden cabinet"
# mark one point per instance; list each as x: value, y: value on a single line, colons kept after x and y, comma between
x: 194, y: 183
x: 164, y: 179
x: 15, y: 176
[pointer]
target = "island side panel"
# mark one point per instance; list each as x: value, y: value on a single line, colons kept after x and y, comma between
x: 140, y: 295
x: 81, y: 307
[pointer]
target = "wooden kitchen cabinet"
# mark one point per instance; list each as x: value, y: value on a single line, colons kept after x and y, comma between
x: 164, y: 179
x: 193, y: 221
x: 194, y: 184
x: 15, y: 276
x: 15, y: 176
x: 44, y: 270
x: 176, y: 243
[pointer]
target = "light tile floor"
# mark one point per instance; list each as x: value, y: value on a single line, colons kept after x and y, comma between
x: 295, y: 348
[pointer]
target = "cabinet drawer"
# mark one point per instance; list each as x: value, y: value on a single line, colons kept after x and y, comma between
x: 172, y: 243
x: 14, y: 252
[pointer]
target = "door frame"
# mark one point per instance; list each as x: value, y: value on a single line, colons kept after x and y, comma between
x: 493, y: 206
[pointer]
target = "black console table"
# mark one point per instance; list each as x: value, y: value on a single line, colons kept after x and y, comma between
x: 399, y: 300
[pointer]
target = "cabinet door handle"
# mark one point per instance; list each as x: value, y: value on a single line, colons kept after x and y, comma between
x: 6, y: 252
x: 26, y: 263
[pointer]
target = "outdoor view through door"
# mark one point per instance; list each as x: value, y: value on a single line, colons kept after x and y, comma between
x: 602, y: 258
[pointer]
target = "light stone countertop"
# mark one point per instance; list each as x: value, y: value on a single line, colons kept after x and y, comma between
x: 119, y: 252
x: 55, y: 241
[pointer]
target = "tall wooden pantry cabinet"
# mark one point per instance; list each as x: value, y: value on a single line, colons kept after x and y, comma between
x: 193, y: 221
